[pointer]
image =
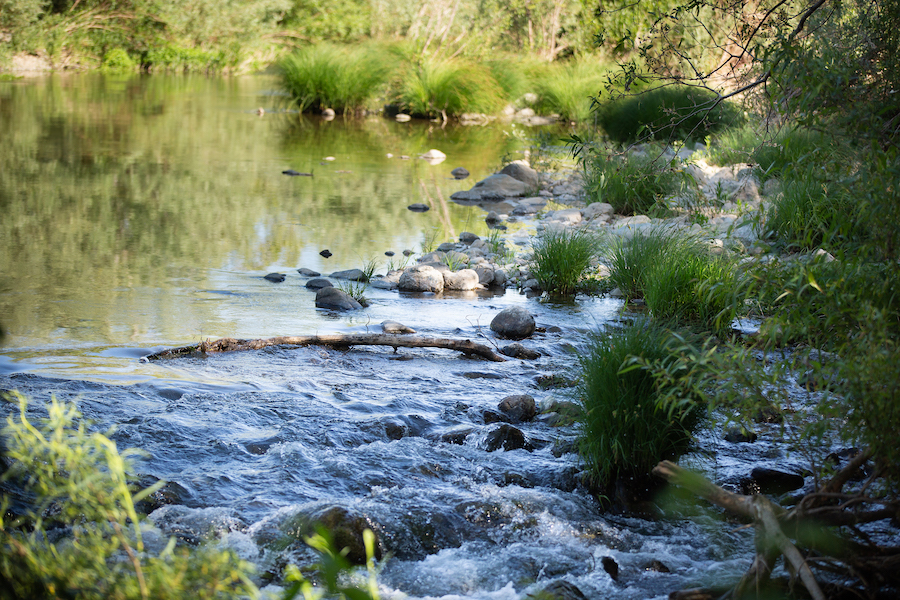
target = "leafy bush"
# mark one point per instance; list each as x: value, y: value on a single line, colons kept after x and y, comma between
x: 562, y: 257
x: 665, y: 113
x: 344, y: 79
x: 79, y: 536
x: 118, y: 59
x: 434, y: 87
x: 173, y: 58
x: 633, y: 184
x: 628, y: 424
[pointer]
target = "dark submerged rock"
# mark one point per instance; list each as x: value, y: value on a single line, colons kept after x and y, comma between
x: 346, y: 527
x: 506, y: 437
x: 326, y: 253
x: 274, y: 277
x: 656, y: 566
x: 611, y: 567
x: 764, y: 480
x: 560, y: 590
x: 514, y: 323
x: 335, y: 299
x: 418, y: 207
x: 459, y: 173
x: 740, y: 435
x: 519, y: 351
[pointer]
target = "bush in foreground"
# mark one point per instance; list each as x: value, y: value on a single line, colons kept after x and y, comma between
x: 562, y: 257
x: 75, y: 484
x: 628, y: 425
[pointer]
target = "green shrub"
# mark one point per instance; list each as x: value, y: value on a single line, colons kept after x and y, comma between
x: 118, y: 59
x: 632, y: 259
x: 344, y: 79
x: 434, y: 87
x: 172, y: 58
x: 628, y: 423
x: 562, y: 257
x: 665, y: 113
x: 76, y: 485
x: 633, y: 184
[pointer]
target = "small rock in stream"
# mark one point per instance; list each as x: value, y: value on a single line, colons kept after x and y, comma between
x: 418, y: 207
x: 274, y: 277
x: 395, y: 327
x: 513, y: 323
x: 519, y: 409
x: 326, y: 253
x: 611, y: 567
x: 318, y: 283
x: 308, y: 272
x: 560, y: 590
x: 519, y: 351
x: 506, y: 437
x: 334, y: 299
x: 740, y: 435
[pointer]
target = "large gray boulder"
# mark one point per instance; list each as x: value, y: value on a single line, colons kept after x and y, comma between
x: 514, y: 323
x: 462, y: 280
x: 495, y: 187
x: 521, y: 170
x: 422, y: 278
x: 335, y: 299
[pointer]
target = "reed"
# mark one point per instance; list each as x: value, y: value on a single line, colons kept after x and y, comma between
x: 435, y: 87
x: 567, y: 89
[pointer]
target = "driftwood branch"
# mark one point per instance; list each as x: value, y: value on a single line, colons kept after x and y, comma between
x: 333, y: 340
x: 771, y: 540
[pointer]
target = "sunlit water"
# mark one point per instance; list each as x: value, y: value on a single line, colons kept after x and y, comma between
x: 142, y: 212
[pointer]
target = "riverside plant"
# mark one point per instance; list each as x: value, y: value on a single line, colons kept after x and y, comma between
x: 566, y: 88
x: 357, y: 289
x: 628, y: 423
x: 345, y: 79
x: 446, y: 87
x: 76, y: 485
x: 678, y: 277
x: 632, y: 184
x: 562, y: 257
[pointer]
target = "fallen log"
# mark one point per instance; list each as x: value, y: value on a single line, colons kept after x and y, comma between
x: 333, y: 340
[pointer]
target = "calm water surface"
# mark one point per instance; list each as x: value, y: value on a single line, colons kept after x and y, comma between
x: 142, y: 212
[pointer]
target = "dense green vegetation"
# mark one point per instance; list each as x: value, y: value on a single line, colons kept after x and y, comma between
x: 562, y: 258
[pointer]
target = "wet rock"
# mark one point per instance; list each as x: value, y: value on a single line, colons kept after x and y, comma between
x: 332, y: 298
x: 351, y: 275
x: 485, y: 273
x: 395, y: 327
x: 418, y: 207
x: 519, y: 408
x: 457, y: 436
x: 740, y: 435
x: 492, y: 416
x: 408, y: 253
x: 389, y: 253
x: 504, y: 436
x: 274, y: 277
x: 422, y: 278
x: 308, y: 272
x: 169, y: 493
x: 463, y: 280
x: 326, y: 253
x: 560, y: 590
x: 495, y: 187
x: 514, y: 323
x: 554, y: 381
x: 769, y: 414
x: 318, y: 283
x: 656, y: 566
x: 459, y: 173
x: 481, y: 375
x: 346, y: 527
x: 519, y: 351
x: 521, y: 170
x: 467, y: 238
x: 611, y: 567
x: 560, y: 413
x: 773, y: 481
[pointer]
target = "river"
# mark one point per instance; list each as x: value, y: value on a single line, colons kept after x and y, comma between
x: 142, y: 212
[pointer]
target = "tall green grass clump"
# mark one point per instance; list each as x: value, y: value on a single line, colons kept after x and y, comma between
x: 345, y: 79
x: 562, y: 257
x: 810, y: 213
x: 436, y: 87
x: 75, y: 533
x: 628, y: 423
x: 665, y: 113
x: 567, y: 88
x: 633, y: 185
x: 678, y: 277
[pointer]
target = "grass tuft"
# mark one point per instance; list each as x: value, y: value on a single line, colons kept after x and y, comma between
x: 327, y: 76
x: 634, y: 184
x: 628, y: 425
x: 562, y: 257
x: 434, y: 87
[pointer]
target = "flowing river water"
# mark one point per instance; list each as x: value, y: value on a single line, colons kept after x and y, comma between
x: 142, y: 212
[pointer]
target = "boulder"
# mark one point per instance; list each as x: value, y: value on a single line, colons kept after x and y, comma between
x: 519, y: 408
x: 463, y: 280
x: 421, y: 278
x: 318, y: 283
x: 495, y: 187
x: 346, y: 527
x: 335, y: 299
x: 519, y: 169
x: 515, y: 323
x: 505, y: 437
